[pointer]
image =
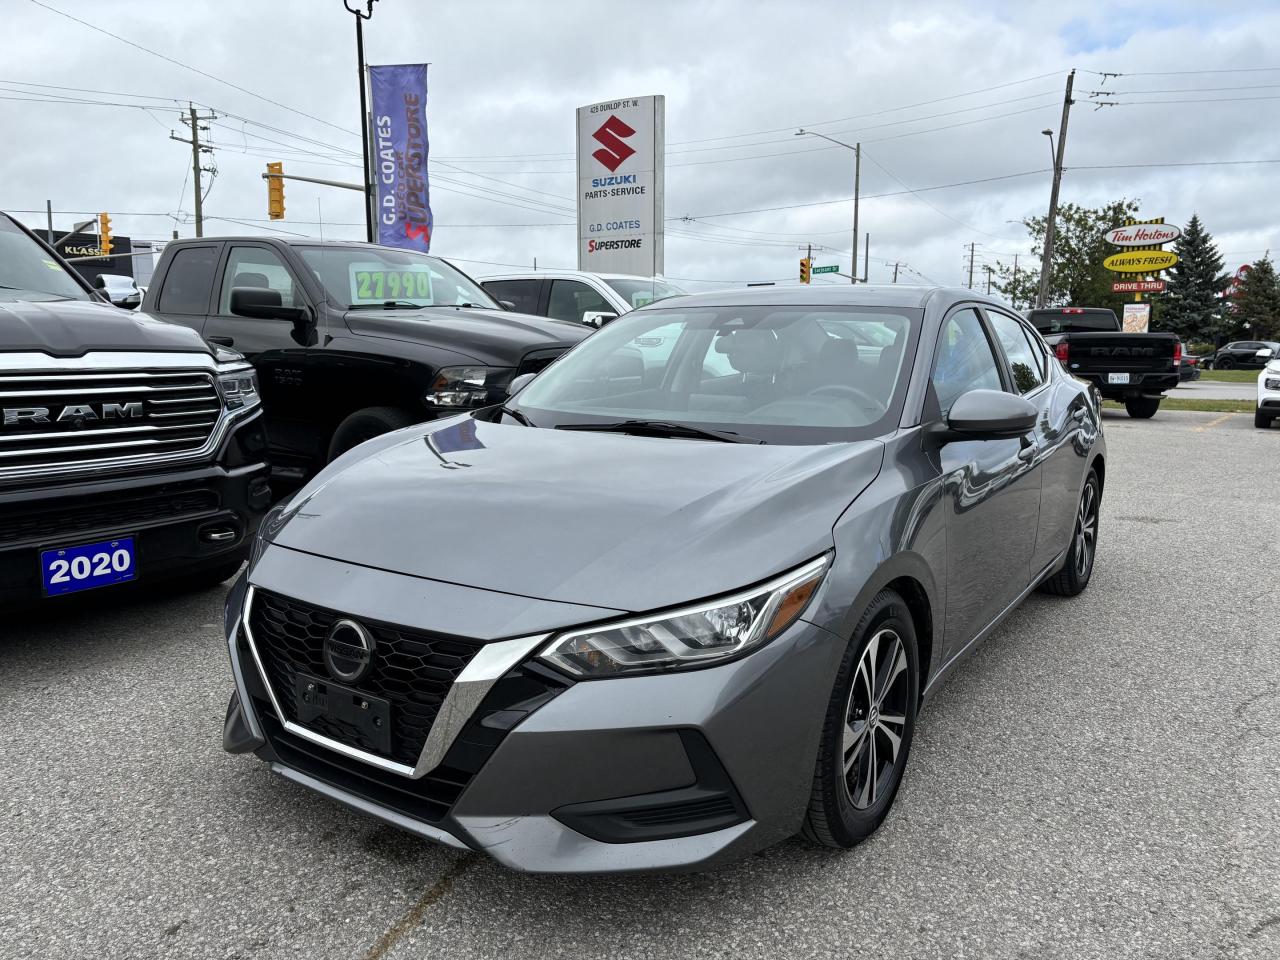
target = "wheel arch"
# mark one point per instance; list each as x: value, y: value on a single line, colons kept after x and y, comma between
x: 919, y: 607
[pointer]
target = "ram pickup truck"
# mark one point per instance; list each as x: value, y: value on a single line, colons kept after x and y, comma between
x: 350, y: 340
x: 1132, y: 368
x: 131, y: 451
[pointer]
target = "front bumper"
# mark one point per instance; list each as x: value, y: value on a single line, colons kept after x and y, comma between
x: 180, y: 519
x: 671, y: 772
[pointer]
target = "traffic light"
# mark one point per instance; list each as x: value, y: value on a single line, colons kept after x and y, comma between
x: 804, y: 269
x: 104, y: 234
x: 275, y: 192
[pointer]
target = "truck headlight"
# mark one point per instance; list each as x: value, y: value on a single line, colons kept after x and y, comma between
x: 239, y: 389
x: 706, y: 633
x: 468, y: 386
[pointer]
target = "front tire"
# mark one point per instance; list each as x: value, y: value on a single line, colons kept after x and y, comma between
x: 870, y: 722
x: 365, y: 425
x: 1078, y: 568
x: 1224, y: 363
x: 1142, y: 408
x: 1261, y: 419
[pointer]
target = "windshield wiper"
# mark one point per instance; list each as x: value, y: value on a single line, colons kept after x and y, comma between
x: 662, y: 428
x: 388, y: 305
x: 518, y: 417
x: 458, y: 306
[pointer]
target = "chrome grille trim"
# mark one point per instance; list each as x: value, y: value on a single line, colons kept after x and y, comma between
x: 189, y: 428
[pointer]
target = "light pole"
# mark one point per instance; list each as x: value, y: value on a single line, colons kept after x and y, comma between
x: 361, y: 16
x: 857, y: 178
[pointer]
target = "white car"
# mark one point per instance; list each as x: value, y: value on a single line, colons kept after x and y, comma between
x: 590, y: 298
x: 1268, y: 395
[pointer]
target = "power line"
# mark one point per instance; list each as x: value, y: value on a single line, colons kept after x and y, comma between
x: 187, y: 66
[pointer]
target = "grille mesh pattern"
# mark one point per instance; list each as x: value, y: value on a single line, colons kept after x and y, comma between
x: 57, y: 520
x: 413, y: 670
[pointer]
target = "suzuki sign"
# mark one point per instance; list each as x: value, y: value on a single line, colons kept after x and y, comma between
x: 620, y: 186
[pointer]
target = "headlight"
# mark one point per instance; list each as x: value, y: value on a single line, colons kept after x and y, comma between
x: 694, y: 636
x: 468, y: 386
x: 1273, y: 384
x: 239, y: 389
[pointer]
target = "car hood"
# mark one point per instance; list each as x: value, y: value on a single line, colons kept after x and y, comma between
x: 486, y: 335
x: 72, y: 328
x: 608, y: 520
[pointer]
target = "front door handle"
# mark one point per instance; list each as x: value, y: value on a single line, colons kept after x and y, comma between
x: 221, y: 341
x: 1078, y: 414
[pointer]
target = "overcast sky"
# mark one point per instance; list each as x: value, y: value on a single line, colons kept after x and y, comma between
x: 738, y: 78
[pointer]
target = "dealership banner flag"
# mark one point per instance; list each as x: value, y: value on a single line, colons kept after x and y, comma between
x: 399, y: 162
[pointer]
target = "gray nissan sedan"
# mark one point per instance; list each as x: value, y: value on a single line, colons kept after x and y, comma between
x: 661, y: 610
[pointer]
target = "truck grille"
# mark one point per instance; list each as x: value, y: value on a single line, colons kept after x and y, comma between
x: 412, y: 670
x: 51, y: 419
x: 57, y: 519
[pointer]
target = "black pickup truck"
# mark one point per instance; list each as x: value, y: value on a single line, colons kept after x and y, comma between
x: 349, y: 340
x: 130, y: 450
x: 1132, y: 368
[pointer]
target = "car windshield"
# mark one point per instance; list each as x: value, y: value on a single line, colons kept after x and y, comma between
x: 374, y: 276
x: 638, y: 291
x: 780, y: 374
x: 28, y: 272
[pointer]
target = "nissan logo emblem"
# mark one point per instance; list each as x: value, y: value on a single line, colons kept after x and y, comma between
x: 348, y: 651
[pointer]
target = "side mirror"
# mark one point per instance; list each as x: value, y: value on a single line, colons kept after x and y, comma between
x: 506, y: 305
x: 263, y: 304
x: 990, y: 415
x: 519, y: 383
x: 598, y: 318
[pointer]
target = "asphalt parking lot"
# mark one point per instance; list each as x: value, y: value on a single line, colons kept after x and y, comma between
x: 1100, y: 780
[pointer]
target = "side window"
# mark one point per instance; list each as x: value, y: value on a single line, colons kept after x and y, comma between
x: 189, y: 281
x: 522, y: 293
x: 965, y: 360
x: 1026, y: 365
x: 570, y: 299
x: 256, y: 267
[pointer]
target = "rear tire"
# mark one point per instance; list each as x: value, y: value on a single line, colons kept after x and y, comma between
x: 1223, y: 364
x: 870, y: 721
x: 1142, y: 408
x: 365, y: 425
x: 1077, y: 569
x: 1261, y: 419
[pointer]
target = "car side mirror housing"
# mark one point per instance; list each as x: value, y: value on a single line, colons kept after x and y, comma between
x: 990, y: 415
x: 507, y: 305
x: 519, y: 383
x: 262, y: 303
x: 598, y: 318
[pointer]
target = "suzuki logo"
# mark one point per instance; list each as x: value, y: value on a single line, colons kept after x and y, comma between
x: 613, y: 150
x: 73, y: 413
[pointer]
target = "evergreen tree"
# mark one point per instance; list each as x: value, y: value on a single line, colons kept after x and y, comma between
x: 1257, y: 302
x: 1192, y: 303
x: 1078, y: 277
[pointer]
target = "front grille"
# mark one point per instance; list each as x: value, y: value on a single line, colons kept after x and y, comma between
x: 537, y: 360
x: 52, y: 419
x: 56, y: 519
x: 412, y: 669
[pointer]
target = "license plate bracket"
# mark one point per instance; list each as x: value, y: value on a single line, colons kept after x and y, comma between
x: 1117, y: 378
x: 366, y: 719
x: 85, y: 566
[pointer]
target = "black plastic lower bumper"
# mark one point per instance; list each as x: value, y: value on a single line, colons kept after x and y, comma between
x: 1139, y: 385
x: 183, y: 522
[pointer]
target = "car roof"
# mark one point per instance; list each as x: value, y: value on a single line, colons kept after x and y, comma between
x: 535, y: 274
x: 288, y: 241
x: 862, y: 294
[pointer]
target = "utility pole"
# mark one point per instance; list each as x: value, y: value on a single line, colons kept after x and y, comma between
x: 866, y: 259
x: 1014, y: 286
x: 857, y: 186
x: 48, y: 209
x: 895, y: 272
x: 1050, y: 228
x: 972, y: 246
x: 193, y: 120
x: 987, y: 267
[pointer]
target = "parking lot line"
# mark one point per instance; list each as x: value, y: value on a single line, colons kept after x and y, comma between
x: 1213, y: 423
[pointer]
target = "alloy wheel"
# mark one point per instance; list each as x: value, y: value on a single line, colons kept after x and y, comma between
x: 875, y: 719
x: 1086, y: 530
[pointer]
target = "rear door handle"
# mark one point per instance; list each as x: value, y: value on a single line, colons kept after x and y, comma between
x: 1078, y: 414
x: 221, y: 341
x: 1028, y: 450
